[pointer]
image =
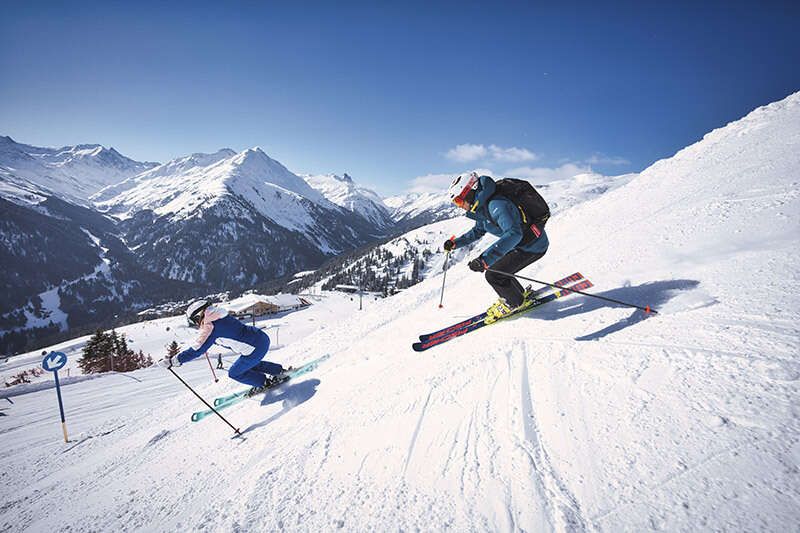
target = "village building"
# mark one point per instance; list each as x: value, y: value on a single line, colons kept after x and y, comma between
x: 352, y: 289
x: 259, y: 305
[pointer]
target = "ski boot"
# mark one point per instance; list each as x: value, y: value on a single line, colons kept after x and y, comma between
x: 528, y: 297
x: 283, y: 376
x: 498, y: 310
x: 269, y: 382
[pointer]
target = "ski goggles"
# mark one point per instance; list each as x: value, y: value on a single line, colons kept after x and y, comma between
x: 461, y: 200
x: 197, y: 316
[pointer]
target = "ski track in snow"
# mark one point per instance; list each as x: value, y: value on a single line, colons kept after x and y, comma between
x: 558, y: 494
x: 580, y: 416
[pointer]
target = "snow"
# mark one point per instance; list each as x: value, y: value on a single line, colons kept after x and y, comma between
x: 284, y: 300
x: 51, y: 312
x: 280, y: 300
x: 19, y: 191
x: 73, y: 172
x: 342, y: 191
x: 580, y: 416
x: 184, y: 187
x: 408, y: 206
x: 171, y: 168
x: 51, y: 301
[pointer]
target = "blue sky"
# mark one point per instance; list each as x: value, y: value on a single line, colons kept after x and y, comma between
x: 399, y: 94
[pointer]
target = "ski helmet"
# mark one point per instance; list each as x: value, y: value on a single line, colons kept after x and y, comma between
x: 194, y: 313
x: 463, y: 190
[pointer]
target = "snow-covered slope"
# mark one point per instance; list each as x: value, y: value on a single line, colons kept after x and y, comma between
x: 172, y: 172
x: 417, y: 209
x: 72, y: 172
x: 580, y: 416
x: 342, y: 191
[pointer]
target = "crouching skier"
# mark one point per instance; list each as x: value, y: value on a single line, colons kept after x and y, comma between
x: 215, y: 322
x: 515, y: 212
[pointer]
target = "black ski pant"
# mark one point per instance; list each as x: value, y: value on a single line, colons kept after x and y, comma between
x: 508, y: 287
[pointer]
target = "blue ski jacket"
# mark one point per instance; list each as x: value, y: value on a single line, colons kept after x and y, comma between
x: 498, y: 216
x: 228, y: 327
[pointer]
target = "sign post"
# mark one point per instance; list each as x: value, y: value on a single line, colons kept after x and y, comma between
x: 52, y: 362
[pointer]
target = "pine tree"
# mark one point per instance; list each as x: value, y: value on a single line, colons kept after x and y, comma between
x: 173, y: 349
x: 415, y: 272
x: 97, y: 353
x: 106, y: 352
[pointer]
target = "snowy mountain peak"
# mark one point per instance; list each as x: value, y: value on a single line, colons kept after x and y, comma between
x: 11, y: 151
x: 254, y: 156
x: 186, y: 186
x: 73, y: 172
x: 197, y: 159
x: 246, y: 202
x: 255, y: 166
x: 172, y: 169
x: 344, y: 192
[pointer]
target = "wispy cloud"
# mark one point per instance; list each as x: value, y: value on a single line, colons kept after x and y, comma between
x: 602, y: 159
x: 546, y: 175
x: 464, y: 153
x: 512, y: 155
x: 431, y: 182
x: 440, y: 182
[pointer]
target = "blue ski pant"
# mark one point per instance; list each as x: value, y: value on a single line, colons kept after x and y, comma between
x: 251, y: 370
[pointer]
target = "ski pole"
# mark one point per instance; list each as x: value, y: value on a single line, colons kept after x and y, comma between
x: 212, y: 369
x: 202, y: 400
x: 444, y: 277
x: 646, y: 309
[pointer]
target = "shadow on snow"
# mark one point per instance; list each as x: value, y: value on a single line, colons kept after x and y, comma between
x: 291, y: 394
x: 655, y: 294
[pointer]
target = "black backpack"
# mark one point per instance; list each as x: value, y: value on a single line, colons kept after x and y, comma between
x: 532, y: 207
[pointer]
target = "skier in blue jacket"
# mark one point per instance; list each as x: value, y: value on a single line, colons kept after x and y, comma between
x: 215, y: 322
x: 517, y: 247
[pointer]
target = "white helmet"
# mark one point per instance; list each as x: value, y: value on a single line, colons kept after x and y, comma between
x: 460, y: 189
x: 194, y: 313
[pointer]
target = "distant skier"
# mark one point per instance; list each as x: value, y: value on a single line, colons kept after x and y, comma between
x: 515, y: 212
x: 219, y: 362
x: 215, y: 322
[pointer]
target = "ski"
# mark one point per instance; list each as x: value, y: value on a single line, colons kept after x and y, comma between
x: 572, y: 278
x: 232, y: 399
x: 431, y: 342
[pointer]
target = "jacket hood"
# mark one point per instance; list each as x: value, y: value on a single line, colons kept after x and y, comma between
x: 486, y: 189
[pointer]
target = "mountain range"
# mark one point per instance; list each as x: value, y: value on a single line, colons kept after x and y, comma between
x: 88, y: 233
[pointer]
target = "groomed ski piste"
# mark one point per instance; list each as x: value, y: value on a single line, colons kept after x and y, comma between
x: 579, y: 416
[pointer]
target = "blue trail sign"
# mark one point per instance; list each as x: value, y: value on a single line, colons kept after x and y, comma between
x: 53, y: 362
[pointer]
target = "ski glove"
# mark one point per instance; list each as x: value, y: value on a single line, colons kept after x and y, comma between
x: 169, y: 362
x: 449, y: 244
x: 478, y: 265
